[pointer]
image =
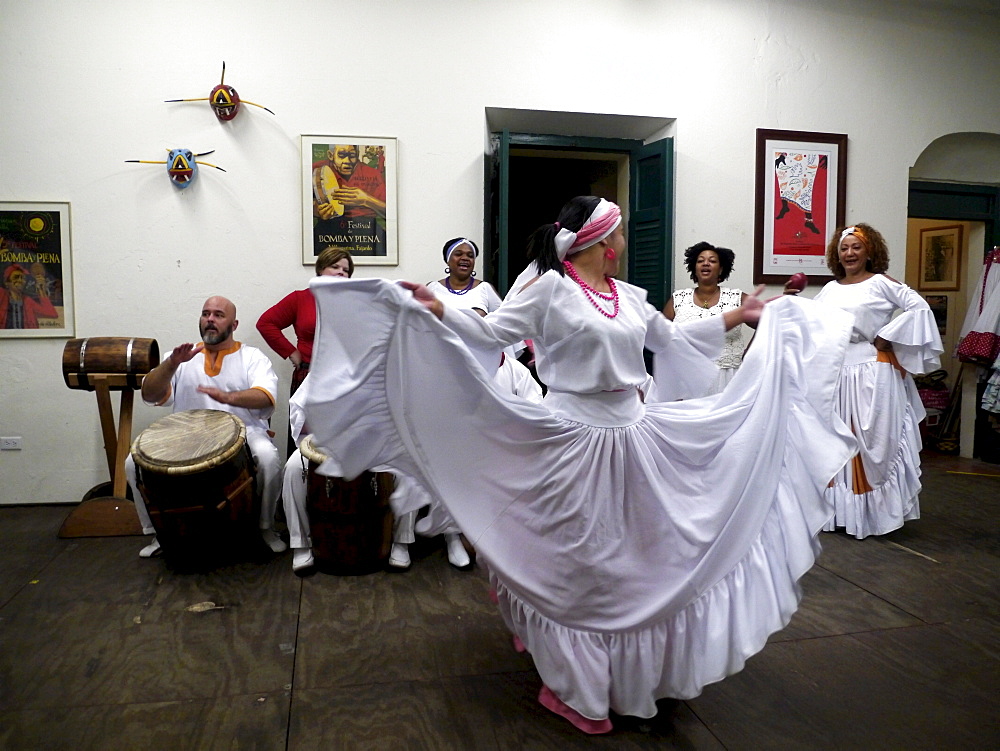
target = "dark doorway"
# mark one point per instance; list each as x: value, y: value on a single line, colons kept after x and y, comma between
x: 540, y: 185
x: 968, y: 203
x: 530, y: 177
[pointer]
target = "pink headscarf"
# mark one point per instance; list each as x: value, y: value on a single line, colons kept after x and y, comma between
x: 601, y: 223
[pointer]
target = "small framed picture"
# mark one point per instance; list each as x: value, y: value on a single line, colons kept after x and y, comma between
x: 939, y: 307
x: 940, y: 257
x: 349, y: 198
x: 36, y: 299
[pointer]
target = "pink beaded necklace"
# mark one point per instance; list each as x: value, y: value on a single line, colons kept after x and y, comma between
x: 590, y: 292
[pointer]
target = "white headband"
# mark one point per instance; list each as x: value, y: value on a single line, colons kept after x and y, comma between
x: 568, y: 242
x: 462, y: 241
x: 850, y: 231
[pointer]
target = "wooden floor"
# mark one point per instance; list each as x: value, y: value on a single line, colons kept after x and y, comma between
x: 896, y: 646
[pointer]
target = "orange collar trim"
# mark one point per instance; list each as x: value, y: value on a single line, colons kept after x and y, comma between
x: 213, y: 360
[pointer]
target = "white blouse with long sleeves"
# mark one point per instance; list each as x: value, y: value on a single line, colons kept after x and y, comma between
x: 581, y: 350
x: 914, y: 334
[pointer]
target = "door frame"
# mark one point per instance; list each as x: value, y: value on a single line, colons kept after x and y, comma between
x: 497, y: 209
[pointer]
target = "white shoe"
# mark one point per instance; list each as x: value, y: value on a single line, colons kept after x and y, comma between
x: 150, y: 550
x: 271, y: 539
x: 302, y: 558
x: 457, y: 555
x: 399, y: 556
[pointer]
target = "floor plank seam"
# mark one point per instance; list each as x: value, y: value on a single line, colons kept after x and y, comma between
x: 295, y: 662
x: 873, y: 594
x: 34, y: 578
x: 704, y: 724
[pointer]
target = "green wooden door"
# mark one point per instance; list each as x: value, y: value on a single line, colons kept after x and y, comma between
x: 650, y: 205
x: 650, y: 236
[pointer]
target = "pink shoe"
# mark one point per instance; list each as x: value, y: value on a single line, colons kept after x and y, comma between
x: 519, y: 645
x: 554, y: 704
x: 493, y: 597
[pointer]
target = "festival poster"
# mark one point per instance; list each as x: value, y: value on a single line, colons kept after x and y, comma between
x: 800, y: 208
x: 800, y: 202
x: 36, y: 299
x: 349, y: 198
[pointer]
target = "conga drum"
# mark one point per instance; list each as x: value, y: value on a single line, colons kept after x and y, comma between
x: 350, y: 521
x: 197, y: 476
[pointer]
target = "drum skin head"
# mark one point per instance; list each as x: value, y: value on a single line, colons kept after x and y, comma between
x: 190, y: 441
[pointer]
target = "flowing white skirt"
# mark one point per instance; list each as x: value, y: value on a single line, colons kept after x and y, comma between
x: 884, y: 410
x: 638, y: 551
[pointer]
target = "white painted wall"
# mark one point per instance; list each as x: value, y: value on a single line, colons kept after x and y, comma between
x: 82, y: 84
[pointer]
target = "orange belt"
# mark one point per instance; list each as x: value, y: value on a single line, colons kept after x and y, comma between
x: 890, y: 357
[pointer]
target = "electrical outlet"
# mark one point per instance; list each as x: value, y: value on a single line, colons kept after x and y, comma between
x: 10, y: 443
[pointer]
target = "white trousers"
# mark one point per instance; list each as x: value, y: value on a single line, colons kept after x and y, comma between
x: 265, y: 453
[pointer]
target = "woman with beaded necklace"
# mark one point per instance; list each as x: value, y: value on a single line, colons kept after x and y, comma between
x: 709, y: 266
x: 461, y: 289
x: 638, y: 550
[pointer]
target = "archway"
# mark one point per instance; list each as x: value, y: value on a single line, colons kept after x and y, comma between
x: 955, y: 189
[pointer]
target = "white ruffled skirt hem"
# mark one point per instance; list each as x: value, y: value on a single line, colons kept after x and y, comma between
x: 708, y: 640
x: 887, y: 507
x: 874, y: 396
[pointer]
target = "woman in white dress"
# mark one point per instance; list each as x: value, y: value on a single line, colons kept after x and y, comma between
x: 638, y: 550
x: 878, y: 491
x: 460, y: 289
x: 708, y: 267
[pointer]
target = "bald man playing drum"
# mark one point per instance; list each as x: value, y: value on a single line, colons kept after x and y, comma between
x: 224, y: 374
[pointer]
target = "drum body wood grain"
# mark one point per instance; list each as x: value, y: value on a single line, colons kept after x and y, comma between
x: 350, y: 521
x: 129, y: 359
x: 197, y: 476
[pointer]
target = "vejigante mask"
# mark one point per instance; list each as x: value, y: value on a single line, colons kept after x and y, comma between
x: 224, y: 100
x: 182, y: 165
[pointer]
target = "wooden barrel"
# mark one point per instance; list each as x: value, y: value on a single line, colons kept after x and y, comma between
x: 119, y: 356
x: 197, y: 478
x: 350, y: 521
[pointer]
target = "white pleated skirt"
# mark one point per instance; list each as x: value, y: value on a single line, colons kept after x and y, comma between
x: 639, y: 551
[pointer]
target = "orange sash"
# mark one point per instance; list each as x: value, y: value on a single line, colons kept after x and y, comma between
x: 890, y: 357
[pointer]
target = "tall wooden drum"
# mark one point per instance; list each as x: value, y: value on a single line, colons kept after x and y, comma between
x: 350, y: 521
x: 197, y: 476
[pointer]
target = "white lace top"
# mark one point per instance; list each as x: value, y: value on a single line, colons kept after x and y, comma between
x: 730, y: 298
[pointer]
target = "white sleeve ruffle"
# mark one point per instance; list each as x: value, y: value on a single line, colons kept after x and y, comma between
x: 915, y: 340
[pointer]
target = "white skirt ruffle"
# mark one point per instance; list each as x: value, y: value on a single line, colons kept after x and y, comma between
x: 637, y: 560
x: 884, y: 410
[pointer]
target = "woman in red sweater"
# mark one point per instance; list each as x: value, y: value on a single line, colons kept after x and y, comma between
x: 298, y: 310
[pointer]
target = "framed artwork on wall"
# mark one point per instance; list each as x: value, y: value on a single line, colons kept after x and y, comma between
x: 939, y: 307
x: 36, y: 299
x: 349, y: 198
x: 940, y: 257
x: 801, y: 187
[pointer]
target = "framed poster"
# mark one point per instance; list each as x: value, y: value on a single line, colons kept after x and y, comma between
x: 36, y: 263
x: 800, y: 200
x: 940, y: 257
x: 349, y: 198
x: 939, y: 307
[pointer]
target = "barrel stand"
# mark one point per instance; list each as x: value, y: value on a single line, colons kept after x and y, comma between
x: 100, y: 514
